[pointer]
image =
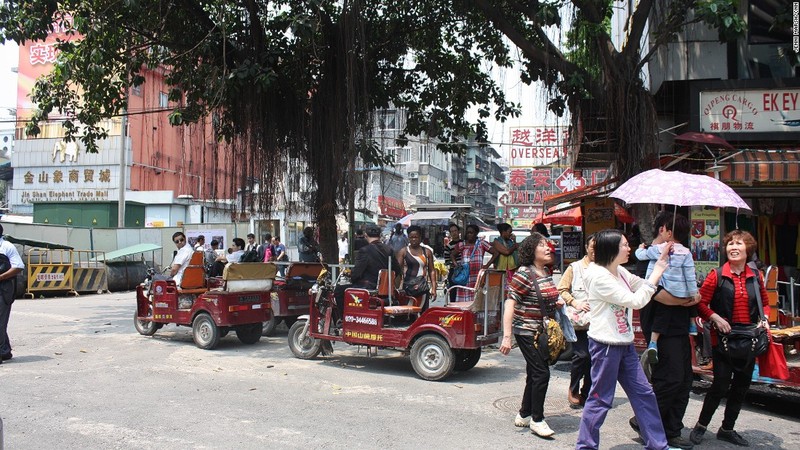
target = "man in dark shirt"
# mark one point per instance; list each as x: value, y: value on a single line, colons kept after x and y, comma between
x: 370, y: 260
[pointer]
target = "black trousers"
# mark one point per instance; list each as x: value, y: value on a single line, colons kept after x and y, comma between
x: 581, y: 365
x: 6, y: 299
x: 731, y: 378
x: 672, y: 381
x: 536, y: 381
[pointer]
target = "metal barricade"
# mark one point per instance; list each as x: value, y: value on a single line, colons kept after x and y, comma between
x: 49, y: 270
x: 791, y: 286
x: 89, y: 271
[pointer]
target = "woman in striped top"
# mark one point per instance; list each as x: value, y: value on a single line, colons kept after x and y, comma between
x: 525, y: 306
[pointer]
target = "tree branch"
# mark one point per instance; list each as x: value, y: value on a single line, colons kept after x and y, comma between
x: 544, y: 58
x: 637, y: 24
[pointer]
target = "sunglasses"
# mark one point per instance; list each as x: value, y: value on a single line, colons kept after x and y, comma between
x: 178, y: 241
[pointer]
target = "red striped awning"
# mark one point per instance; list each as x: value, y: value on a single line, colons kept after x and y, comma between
x: 762, y: 167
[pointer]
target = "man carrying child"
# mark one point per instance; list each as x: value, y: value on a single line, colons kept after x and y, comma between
x: 665, y: 323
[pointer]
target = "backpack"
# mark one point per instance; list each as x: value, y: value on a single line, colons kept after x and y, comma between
x: 250, y: 256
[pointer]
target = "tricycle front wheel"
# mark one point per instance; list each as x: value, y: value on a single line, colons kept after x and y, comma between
x: 301, y: 344
x: 145, y: 327
x: 205, y: 332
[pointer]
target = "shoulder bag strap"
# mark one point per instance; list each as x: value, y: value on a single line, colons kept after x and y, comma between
x: 757, y: 273
x: 535, y: 282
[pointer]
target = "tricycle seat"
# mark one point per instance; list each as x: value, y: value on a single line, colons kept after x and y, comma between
x: 196, y: 291
x: 401, y: 310
x: 241, y: 277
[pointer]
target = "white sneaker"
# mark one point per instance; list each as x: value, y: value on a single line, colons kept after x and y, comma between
x: 520, y: 421
x: 541, y: 429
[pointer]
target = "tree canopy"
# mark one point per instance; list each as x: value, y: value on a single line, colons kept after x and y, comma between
x: 283, y: 80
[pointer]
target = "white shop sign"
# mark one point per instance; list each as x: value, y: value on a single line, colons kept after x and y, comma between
x: 750, y: 111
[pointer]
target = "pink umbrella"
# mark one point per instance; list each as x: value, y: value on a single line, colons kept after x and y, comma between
x: 679, y: 189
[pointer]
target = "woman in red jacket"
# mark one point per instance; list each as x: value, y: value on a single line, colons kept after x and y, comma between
x: 730, y: 301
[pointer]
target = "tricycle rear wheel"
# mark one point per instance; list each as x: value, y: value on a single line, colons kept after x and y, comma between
x: 302, y: 345
x: 432, y: 358
x: 269, y: 326
x: 205, y: 332
x: 145, y: 327
x: 249, y: 334
x: 466, y: 358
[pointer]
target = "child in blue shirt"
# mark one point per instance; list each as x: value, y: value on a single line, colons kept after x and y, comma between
x: 679, y: 279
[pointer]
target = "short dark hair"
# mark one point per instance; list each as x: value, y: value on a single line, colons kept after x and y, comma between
x: 360, y: 232
x: 502, y: 227
x: 416, y: 228
x: 451, y: 225
x: 277, y: 238
x: 201, y: 238
x: 527, y: 249
x: 239, y: 242
x: 373, y: 231
x: 178, y: 233
x: 268, y: 237
x: 251, y: 235
x: 214, y: 242
x: 606, y: 246
x: 680, y: 230
x: 750, y: 244
x: 473, y: 227
x: 589, y: 238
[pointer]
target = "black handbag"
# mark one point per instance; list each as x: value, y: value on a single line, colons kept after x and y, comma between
x: 417, y: 286
x: 744, y: 341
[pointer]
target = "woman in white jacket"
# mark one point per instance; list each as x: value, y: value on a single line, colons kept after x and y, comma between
x: 613, y: 295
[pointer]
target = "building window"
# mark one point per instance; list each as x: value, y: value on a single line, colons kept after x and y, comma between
x: 163, y: 100
x: 136, y: 90
x: 387, y: 120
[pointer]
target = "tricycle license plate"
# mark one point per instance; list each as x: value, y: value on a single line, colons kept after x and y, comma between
x: 250, y: 298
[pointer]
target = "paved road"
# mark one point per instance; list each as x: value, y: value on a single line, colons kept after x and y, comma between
x: 82, y: 378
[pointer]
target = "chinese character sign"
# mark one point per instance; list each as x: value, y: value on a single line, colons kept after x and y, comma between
x: 750, y: 111
x: 537, y: 146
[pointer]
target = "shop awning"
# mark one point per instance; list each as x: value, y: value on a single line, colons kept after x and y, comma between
x: 760, y: 168
x: 575, y: 196
x: 428, y: 218
x: 128, y: 251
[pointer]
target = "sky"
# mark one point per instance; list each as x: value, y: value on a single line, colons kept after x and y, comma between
x: 8, y: 83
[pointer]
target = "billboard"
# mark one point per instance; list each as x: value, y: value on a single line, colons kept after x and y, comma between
x: 538, y: 146
x: 750, y: 111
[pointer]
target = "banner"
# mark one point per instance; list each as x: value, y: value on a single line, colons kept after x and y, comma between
x: 704, y: 239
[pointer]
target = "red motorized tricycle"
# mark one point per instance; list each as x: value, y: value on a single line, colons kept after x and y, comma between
x: 290, y: 295
x: 239, y: 301
x: 439, y: 340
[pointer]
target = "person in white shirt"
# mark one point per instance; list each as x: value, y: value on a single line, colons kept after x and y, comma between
x: 11, y: 265
x: 200, y: 244
x: 344, y: 248
x: 181, y: 259
x: 613, y: 294
x: 238, y: 250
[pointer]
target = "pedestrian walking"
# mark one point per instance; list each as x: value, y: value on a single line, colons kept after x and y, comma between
x: 613, y: 293
x: 10, y: 265
x: 531, y: 297
x: 572, y: 289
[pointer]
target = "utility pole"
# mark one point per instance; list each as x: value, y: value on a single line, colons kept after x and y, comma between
x: 123, y: 144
